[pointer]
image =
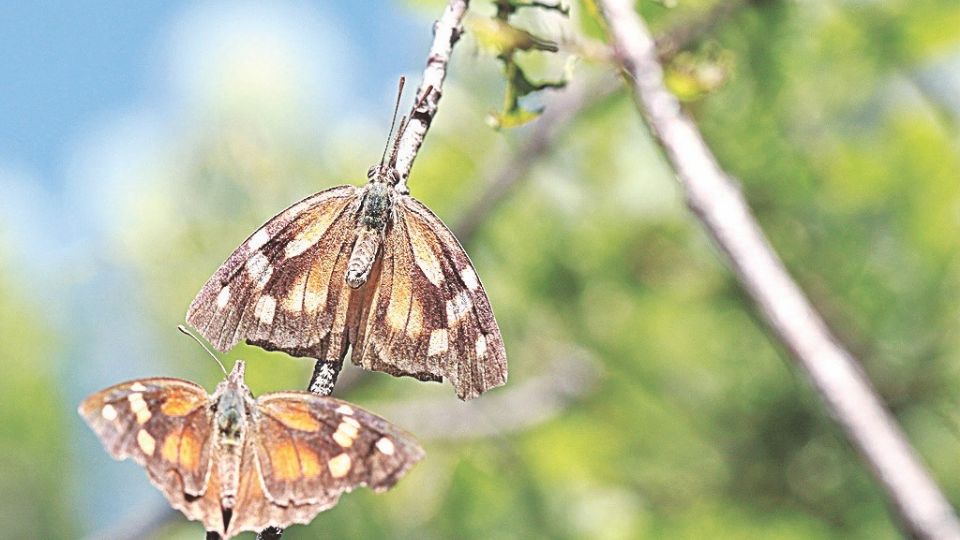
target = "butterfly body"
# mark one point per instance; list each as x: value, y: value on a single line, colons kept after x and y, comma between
x: 369, y: 268
x: 239, y: 463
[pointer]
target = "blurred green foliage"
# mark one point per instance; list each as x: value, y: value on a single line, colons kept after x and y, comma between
x: 33, y: 443
x: 700, y: 427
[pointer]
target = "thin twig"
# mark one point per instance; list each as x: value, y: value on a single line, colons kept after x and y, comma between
x: 446, y: 32
x: 716, y: 200
x: 518, y: 408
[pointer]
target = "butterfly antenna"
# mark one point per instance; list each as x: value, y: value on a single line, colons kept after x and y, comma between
x: 184, y: 330
x: 403, y: 126
x: 396, y: 142
x: 393, y: 120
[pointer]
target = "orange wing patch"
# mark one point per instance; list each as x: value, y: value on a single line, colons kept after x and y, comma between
x: 309, y: 462
x: 283, y: 458
x: 294, y: 415
x: 190, y: 449
x: 180, y: 403
x: 171, y: 448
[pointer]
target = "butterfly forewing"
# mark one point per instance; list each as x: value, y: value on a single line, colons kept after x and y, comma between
x: 275, y: 289
x: 163, y: 424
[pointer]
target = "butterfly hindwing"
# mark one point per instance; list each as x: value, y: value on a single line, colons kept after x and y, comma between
x: 275, y: 289
x: 431, y: 318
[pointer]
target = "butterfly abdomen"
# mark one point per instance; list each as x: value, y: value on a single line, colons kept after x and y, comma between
x: 363, y: 256
x: 230, y: 423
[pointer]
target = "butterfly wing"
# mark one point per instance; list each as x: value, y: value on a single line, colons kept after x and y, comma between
x: 164, y: 425
x: 283, y: 288
x: 312, y: 449
x: 429, y: 316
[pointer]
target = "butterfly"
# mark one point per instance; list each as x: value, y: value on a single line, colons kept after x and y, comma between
x: 239, y: 463
x: 369, y: 268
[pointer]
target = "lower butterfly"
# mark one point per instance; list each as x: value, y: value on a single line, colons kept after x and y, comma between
x: 370, y: 268
x: 237, y: 463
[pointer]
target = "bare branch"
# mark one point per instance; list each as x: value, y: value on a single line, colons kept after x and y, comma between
x: 446, y: 32
x: 517, y: 408
x: 716, y: 200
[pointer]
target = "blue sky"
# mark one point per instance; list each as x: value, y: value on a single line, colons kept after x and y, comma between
x: 87, y: 88
x: 65, y: 63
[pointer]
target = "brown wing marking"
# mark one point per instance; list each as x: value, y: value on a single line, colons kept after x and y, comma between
x: 254, y: 294
x: 448, y: 330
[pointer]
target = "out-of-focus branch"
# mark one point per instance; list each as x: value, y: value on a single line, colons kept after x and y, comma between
x: 716, y: 200
x: 515, y: 408
x: 504, y: 175
x: 684, y: 34
x: 446, y: 32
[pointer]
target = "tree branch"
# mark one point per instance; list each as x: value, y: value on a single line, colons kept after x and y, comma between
x: 446, y: 32
x: 716, y: 200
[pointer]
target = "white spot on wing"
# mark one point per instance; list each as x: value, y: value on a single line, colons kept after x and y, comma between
x: 297, y: 246
x: 345, y: 409
x: 259, y: 269
x: 458, y: 306
x: 339, y: 466
x: 146, y: 442
x: 109, y: 413
x: 386, y: 446
x: 223, y: 297
x: 138, y: 387
x: 265, y: 310
x: 481, y: 346
x: 258, y: 240
x: 438, y: 342
x: 345, y: 435
x: 469, y: 278
x: 139, y: 408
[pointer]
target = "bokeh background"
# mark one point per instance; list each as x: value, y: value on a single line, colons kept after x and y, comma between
x: 139, y: 144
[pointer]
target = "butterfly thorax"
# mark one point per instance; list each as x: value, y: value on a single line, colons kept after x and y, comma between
x: 230, y: 423
x: 375, y: 213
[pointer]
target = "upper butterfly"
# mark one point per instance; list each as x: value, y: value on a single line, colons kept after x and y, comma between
x: 371, y: 268
x: 242, y: 464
